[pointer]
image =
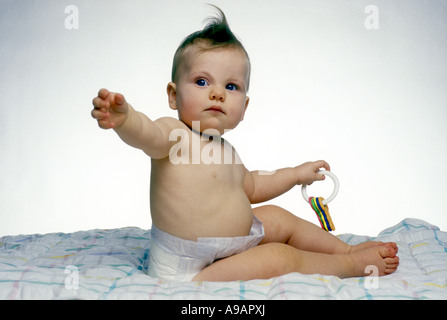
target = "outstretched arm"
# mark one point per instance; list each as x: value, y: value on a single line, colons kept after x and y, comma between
x: 113, y: 112
x: 261, y: 187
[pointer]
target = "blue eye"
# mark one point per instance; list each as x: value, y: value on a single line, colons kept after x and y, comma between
x: 201, y: 82
x: 231, y: 87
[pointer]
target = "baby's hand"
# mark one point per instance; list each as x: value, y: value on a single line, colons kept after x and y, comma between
x: 307, y: 173
x: 110, y: 109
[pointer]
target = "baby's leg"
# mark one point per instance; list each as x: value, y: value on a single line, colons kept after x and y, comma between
x: 292, y: 244
x: 275, y: 259
x: 284, y: 227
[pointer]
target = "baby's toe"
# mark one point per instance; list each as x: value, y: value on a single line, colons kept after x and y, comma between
x: 388, y: 251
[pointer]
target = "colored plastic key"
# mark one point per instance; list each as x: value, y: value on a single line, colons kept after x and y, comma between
x: 322, y: 212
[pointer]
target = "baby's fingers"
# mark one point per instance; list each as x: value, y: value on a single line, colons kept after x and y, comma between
x: 110, y: 109
x: 103, y: 118
x: 103, y: 93
x: 100, y: 104
x: 322, y: 164
x: 318, y: 165
x: 99, y: 114
x: 103, y: 99
x: 119, y: 104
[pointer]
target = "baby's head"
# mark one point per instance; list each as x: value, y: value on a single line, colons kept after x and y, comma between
x: 217, y: 34
x: 210, y: 78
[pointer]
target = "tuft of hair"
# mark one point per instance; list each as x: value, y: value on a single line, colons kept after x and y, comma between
x: 217, y: 33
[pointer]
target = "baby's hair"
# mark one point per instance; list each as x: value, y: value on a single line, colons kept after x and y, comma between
x: 216, y: 34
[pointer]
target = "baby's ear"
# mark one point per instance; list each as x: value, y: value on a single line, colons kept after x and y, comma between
x: 172, y: 95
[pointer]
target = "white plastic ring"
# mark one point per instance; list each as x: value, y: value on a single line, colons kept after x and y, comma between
x: 334, y: 193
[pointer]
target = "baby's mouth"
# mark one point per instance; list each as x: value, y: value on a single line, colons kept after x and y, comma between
x: 215, y: 109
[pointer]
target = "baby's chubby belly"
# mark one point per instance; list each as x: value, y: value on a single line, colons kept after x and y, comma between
x: 232, y: 216
x: 202, y: 204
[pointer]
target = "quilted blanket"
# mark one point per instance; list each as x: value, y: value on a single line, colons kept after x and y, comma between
x: 112, y: 264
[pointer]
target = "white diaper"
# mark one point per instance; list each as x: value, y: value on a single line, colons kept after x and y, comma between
x: 174, y: 258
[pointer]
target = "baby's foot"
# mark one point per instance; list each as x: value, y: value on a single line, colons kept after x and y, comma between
x: 381, y: 255
x: 370, y: 244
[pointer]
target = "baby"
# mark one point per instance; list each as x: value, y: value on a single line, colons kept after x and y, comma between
x: 204, y: 227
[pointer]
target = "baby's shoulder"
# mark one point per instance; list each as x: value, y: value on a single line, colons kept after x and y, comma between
x: 171, y: 123
x: 171, y: 126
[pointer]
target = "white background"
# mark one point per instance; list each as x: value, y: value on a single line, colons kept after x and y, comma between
x: 370, y: 102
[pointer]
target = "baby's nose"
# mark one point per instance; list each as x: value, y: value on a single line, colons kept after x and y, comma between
x: 217, y: 93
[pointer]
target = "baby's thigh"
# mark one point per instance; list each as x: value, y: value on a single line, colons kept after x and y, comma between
x: 279, y: 224
x: 261, y: 262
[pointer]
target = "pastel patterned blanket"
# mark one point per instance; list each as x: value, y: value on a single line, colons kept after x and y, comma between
x: 112, y: 264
